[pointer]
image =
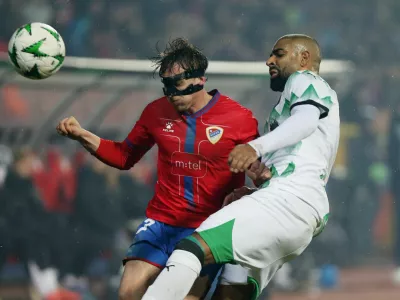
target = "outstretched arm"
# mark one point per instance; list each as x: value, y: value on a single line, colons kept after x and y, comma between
x: 120, y: 155
x: 301, y: 124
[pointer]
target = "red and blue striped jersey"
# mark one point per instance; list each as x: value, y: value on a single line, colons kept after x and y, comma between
x: 192, y: 169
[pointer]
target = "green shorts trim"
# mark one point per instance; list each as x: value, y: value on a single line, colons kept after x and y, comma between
x: 219, y: 239
x: 256, y: 285
x: 321, y: 225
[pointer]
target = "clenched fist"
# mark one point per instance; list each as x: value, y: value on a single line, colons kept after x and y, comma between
x: 237, y: 194
x: 259, y: 173
x: 70, y: 127
x: 241, y: 157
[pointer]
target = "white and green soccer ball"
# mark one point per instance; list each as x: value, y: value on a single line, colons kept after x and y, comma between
x: 36, y: 50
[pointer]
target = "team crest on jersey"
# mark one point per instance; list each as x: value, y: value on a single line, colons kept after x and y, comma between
x: 214, y: 134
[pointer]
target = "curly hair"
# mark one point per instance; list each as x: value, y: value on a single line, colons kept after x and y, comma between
x: 179, y: 51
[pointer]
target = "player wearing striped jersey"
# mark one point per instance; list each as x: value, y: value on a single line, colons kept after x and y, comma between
x: 275, y: 223
x: 195, y: 131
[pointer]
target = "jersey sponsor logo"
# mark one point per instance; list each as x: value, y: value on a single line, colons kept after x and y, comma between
x: 168, y: 127
x: 214, y: 134
x: 187, y: 164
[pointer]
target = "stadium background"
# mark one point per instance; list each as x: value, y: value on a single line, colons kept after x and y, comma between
x: 60, y: 208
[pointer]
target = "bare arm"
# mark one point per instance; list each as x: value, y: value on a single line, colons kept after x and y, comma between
x: 120, y: 155
x: 89, y: 141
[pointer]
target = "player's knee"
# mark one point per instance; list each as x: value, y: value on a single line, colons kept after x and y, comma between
x: 126, y: 292
x: 131, y: 292
x: 132, y: 288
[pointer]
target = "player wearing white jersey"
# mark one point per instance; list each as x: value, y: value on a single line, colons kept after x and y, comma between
x: 271, y: 225
x: 303, y: 168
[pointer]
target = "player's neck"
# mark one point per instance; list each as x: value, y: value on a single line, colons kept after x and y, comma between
x: 203, y: 99
x: 310, y: 68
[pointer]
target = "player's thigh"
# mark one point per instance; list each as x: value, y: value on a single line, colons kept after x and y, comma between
x: 144, y: 260
x: 199, y: 289
x: 234, y: 284
x: 137, y: 277
x: 260, y: 278
x: 257, y: 232
x: 203, y: 283
x: 234, y: 292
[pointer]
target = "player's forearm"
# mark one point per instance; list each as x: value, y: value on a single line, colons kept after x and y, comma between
x: 301, y: 124
x: 90, y: 141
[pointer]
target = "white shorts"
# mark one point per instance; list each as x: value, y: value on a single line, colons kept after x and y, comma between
x: 261, y: 232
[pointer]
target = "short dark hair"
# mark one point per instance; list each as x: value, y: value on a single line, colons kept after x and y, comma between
x: 179, y: 51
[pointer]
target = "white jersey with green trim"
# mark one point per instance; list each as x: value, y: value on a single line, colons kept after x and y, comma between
x: 303, y: 169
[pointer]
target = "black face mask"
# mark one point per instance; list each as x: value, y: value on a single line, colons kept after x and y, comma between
x: 170, y: 83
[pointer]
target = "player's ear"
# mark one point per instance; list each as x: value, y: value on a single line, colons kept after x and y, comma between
x: 305, y: 58
x: 203, y: 80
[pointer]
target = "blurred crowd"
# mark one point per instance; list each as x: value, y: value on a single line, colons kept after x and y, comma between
x: 66, y: 214
x: 360, y: 30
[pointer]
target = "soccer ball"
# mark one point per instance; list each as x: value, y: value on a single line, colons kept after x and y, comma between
x: 36, y: 50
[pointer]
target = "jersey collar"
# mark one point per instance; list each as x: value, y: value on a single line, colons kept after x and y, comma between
x: 206, y: 108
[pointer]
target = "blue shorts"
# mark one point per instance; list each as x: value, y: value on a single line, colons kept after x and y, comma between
x: 154, y: 242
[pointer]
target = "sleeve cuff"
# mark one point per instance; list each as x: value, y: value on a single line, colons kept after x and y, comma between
x: 100, y: 150
x: 255, y: 147
x: 323, y: 109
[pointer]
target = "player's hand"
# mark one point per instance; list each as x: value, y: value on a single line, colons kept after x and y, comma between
x: 70, y: 128
x: 237, y: 194
x: 241, y: 157
x: 259, y: 173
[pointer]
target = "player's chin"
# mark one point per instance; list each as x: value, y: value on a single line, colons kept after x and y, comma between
x: 277, y: 84
x: 180, y: 108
